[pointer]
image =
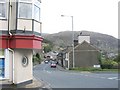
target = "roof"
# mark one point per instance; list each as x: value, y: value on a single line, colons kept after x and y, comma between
x: 83, y: 46
x: 83, y: 35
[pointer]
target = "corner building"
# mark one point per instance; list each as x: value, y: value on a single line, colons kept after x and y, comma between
x: 20, y: 35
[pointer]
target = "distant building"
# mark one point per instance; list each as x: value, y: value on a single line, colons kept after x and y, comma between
x: 85, y: 54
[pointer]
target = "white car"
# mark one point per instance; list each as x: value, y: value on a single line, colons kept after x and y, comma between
x: 46, y: 61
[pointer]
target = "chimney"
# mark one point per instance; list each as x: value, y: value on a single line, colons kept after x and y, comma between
x: 82, y: 38
x: 75, y: 42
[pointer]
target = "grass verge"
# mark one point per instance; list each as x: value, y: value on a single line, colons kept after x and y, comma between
x: 94, y: 69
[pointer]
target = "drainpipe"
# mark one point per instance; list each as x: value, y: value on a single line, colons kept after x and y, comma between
x: 12, y: 65
x: 9, y: 33
x: 9, y: 8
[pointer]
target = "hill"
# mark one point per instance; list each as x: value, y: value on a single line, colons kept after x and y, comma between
x: 102, y: 41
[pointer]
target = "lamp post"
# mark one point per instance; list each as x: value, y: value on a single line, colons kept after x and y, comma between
x: 72, y: 38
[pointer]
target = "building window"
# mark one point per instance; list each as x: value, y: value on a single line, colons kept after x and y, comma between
x: 36, y: 13
x: 25, y: 10
x: 2, y: 10
x: 37, y: 2
x: 27, y: 7
x: 25, y: 61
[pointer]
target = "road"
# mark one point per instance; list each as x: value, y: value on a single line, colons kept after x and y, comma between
x: 56, y: 78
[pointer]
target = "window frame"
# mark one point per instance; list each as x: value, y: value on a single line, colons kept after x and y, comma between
x: 37, y: 3
x: 39, y: 6
x: 4, y: 2
x: 19, y: 10
x: 34, y: 13
x: 25, y: 61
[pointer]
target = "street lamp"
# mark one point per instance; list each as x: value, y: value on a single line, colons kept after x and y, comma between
x: 72, y: 39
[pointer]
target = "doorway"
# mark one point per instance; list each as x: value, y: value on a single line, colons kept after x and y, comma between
x: 2, y: 67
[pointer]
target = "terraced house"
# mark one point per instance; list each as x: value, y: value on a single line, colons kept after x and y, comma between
x: 20, y: 34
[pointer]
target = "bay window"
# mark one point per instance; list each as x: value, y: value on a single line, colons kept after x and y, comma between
x: 29, y: 16
x: 29, y: 9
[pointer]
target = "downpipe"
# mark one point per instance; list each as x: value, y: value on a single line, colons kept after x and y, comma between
x: 9, y: 33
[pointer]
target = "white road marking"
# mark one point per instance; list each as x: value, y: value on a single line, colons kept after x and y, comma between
x: 110, y: 78
x: 113, y: 78
x: 49, y: 72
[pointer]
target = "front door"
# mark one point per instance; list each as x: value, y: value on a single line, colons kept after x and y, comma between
x: 2, y: 67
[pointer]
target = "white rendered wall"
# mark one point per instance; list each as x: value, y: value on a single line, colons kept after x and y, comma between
x: 10, y: 66
x: 7, y: 63
x: 3, y: 25
x: 24, y: 24
x: 83, y: 38
x: 22, y: 74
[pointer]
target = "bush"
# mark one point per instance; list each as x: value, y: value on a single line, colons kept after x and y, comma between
x: 117, y: 59
x: 109, y: 64
x: 106, y: 66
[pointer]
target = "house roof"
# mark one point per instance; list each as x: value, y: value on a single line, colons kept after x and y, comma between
x: 83, y: 46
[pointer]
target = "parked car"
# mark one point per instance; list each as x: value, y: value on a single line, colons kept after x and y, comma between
x: 53, y: 64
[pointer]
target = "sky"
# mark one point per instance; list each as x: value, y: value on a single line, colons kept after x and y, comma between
x: 91, y: 15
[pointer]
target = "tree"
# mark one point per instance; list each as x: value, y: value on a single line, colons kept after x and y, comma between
x: 117, y: 59
x: 48, y: 45
x: 47, y: 48
x: 37, y: 58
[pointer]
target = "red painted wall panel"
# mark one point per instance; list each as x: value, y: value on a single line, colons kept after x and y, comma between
x: 4, y: 41
x: 12, y: 43
x: 37, y: 44
x: 23, y: 42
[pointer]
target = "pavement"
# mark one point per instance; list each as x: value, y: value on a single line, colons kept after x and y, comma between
x: 34, y: 84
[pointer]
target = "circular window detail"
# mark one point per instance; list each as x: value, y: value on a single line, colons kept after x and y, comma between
x: 25, y: 61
